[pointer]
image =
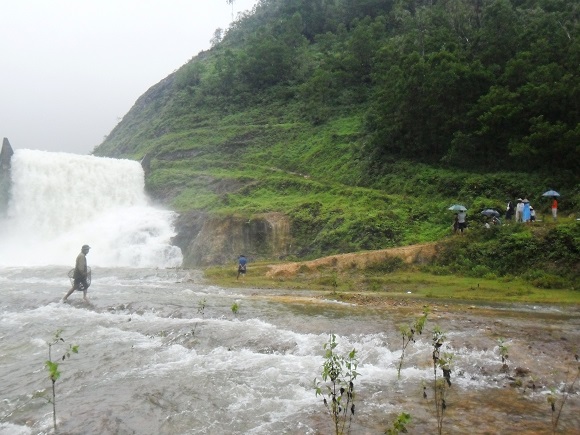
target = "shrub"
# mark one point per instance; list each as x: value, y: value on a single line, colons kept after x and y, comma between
x: 480, y: 271
x: 388, y: 265
x: 545, y: 280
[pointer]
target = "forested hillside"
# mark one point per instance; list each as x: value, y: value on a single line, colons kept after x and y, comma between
x: 363, y: 120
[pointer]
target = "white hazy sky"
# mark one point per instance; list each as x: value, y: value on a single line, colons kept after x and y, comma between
x: 70, y: 69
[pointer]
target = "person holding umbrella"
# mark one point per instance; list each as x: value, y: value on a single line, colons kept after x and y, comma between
x: 554, y: 195
x: 461, y: 221
x: 461, y: 216
x: 493, y: 216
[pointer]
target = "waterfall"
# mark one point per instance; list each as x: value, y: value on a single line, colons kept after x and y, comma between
x: 59, y: 202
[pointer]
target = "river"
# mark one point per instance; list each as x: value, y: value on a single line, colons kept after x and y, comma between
x: 160, y: 351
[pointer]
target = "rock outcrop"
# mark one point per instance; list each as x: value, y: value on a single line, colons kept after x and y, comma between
x: 5, y: 163
x: 214, y: 240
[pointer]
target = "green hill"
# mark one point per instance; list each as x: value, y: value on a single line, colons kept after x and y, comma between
x: 362, y: 121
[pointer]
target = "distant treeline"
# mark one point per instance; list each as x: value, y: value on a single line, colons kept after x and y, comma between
x: 480, y: 84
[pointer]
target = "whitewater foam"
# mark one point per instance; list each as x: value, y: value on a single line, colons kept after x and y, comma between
x: 59, y: 202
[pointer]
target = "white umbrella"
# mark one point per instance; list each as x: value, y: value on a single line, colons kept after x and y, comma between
x: 550, y: 193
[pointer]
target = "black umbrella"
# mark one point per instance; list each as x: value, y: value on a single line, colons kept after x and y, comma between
x: 490, y: 212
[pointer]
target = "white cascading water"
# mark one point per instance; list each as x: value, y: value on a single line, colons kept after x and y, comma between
x: 61, y: 201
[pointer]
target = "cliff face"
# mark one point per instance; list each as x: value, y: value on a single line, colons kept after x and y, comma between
x: 5, y: 163
x: 207, y: 240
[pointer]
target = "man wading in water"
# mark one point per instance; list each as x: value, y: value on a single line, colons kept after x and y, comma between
x: 80, y: 274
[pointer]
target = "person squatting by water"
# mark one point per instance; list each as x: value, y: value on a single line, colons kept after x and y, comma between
x: 80, y: 274
x: 242, y: 262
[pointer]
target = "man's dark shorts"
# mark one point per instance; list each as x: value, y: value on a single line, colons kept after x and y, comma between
x: 80, y: 284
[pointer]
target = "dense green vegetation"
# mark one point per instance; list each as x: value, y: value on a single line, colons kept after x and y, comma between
x: 546, y: 256
x: 363, y: 120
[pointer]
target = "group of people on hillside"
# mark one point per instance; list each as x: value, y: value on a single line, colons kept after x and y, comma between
x: 524, y: 212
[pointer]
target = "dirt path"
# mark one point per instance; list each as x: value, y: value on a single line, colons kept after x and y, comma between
x: 409, y: 254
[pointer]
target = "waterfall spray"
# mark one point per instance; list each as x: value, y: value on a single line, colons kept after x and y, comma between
x: 59, y: 201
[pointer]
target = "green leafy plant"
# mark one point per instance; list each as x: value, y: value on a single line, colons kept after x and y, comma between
x: 53, y: 367
x: 557, y: 402
x: 235, y: 308
x: 399, y: 425
x: 338, y: 374
x: 201, y: 306
x: 200, y: 310
x: 503, y: 353
x: 442, y: 361
x: 408, y: 334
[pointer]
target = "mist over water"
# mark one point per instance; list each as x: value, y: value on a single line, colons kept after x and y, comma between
x: 61, y: 201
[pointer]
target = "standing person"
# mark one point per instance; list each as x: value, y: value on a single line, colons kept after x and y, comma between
x: 461, y: 221
x: 532, y: 214
x: 242, y: 263
x: 554, y: 207
x: 80, y: 274
x: 526, y: 215
x: 519, y: 210
x: 509, y: 210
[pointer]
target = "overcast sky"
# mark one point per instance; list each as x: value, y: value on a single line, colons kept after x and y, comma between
x: 70, y: 69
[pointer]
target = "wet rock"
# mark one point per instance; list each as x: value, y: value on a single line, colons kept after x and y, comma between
x: 521, y: 372
x: 531, y: 385
x: 516, y: 384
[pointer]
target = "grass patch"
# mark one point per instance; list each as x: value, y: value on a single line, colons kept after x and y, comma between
x: 409, y: 283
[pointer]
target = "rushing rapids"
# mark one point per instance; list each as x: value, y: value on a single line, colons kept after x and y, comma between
x: 160, y: 352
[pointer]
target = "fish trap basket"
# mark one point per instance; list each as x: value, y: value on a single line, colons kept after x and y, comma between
x: 71, y: 276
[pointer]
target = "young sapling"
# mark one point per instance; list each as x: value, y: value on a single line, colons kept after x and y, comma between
x: 338, y: 374
x: 408, y: 334
x: 53, y: 367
